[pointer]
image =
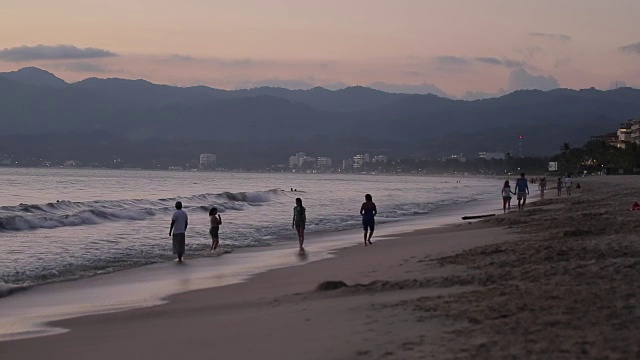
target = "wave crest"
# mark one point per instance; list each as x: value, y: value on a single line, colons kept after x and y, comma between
x: 68, y: 213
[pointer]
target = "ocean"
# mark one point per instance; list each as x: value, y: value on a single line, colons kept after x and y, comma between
x: 63, y: 224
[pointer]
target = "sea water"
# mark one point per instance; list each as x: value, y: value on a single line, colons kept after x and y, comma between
x: 62, y: 224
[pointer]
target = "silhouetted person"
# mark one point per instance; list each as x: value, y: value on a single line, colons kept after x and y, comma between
x: 299, y: 221
x: 560, y: 186
x: 215, y: 221
x: 368, y: 211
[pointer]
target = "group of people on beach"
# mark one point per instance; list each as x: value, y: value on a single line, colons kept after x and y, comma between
x: 567, y: 184
x: 522, y: 190
x: 180, y: 222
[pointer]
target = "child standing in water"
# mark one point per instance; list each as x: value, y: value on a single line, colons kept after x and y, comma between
x: 216, y: 221
x: 368, y: 211
x: 299, y: 220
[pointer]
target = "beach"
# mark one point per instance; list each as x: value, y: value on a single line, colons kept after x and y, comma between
x: 559, y: 280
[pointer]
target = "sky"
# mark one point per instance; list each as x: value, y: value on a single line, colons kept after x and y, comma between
x: 458, y: 48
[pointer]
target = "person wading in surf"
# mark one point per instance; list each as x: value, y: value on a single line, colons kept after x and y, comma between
x: 215, y: 221
x: 179, y: 223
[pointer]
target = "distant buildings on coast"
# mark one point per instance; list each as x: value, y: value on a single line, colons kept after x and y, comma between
x: 492, y: 155
x: 302, y: 162
x: 481, y: 155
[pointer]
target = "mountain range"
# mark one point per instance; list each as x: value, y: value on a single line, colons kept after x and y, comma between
x: 34, y: 101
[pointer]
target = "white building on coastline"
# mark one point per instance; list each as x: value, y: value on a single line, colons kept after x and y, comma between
x: 360, y: 160
x: 299, y: 159
x: 208, y: 161
x: 324, y: 162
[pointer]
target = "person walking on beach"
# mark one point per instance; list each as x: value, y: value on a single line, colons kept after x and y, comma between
x: 506, y: 196
x: 560, y: 186
x: 568, y: 183
x: 522, y: 190
x: 299, y: 221
x: 179, y: 223
x: 542, y: 186
x: 215, y: 221
x: 368, y: 212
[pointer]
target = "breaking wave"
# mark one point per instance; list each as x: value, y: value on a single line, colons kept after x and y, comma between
x: 68, y: 213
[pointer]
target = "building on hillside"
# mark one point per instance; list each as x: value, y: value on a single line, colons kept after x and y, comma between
x: 628, y: 132
x: 324, y: 162
x: 347, y: 164
x: 634, y: 126
x: 208, y: 161
x: 624, y: 135
x: 610, y: 138
x: 492, y: 155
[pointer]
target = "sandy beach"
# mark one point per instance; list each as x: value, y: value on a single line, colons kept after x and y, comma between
x: 559, y: 280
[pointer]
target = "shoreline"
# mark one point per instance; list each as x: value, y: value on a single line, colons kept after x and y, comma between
x: 103, y: 336
x: 457, y: 289
x: 241, y: 265
x: 101, y: 238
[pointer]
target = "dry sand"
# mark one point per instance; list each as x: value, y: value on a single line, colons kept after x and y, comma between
x: 560, y: 280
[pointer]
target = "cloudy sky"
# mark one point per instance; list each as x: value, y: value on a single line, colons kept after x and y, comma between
x: 471, y: 48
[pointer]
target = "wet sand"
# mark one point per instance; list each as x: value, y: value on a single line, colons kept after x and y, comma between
x: 278, y: 314
x: 559, y: 280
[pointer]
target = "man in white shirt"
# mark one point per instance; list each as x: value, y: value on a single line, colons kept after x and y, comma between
x: 568, y: 182
x: 179, y: 223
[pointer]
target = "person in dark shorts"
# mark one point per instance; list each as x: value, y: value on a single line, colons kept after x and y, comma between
x: 522, y: 190
x: 179, y: 223
x: 299, y: 220
x: 215, y: 221
x: 368, y: 212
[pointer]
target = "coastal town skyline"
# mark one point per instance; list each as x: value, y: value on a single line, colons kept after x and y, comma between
x: 458, y: 49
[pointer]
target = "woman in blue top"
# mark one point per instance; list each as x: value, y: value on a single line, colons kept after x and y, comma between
x: 368, y: 211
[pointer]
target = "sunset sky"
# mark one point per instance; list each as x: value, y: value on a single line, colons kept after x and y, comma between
x: 447, y: 47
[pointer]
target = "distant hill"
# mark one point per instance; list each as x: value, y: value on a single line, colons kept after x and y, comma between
x: 420, y: 125
x: 354, y: 98
x: 141, y: 93
x: 35, y: 76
